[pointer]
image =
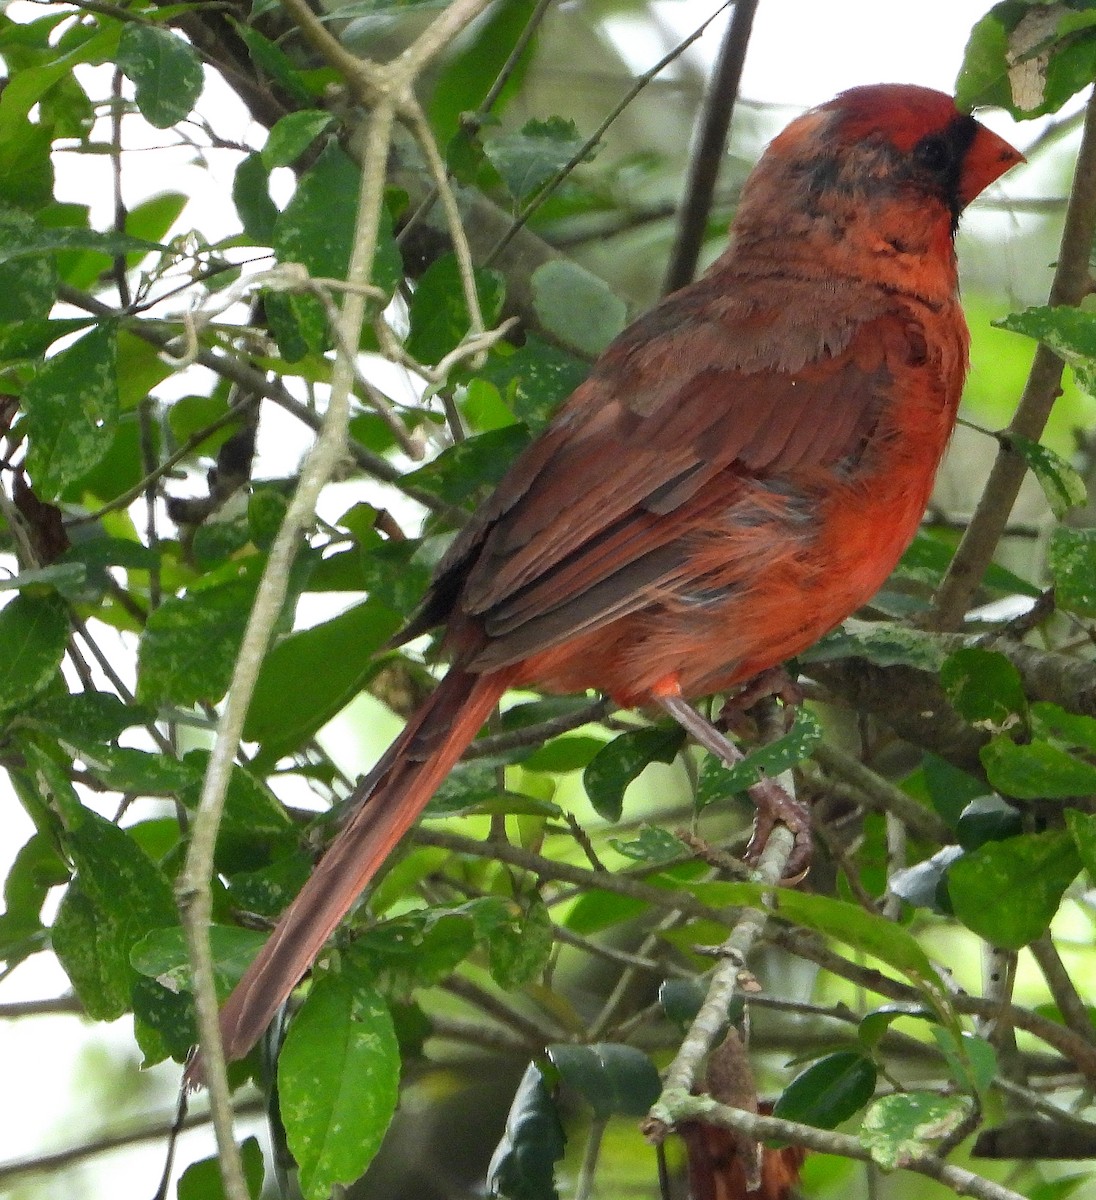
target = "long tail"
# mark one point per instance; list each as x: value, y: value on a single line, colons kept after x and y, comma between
x: 390, y: 798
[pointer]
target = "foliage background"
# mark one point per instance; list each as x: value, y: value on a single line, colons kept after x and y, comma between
x: 86, y: 441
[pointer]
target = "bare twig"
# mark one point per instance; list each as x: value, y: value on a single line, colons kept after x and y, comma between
x: 710, y: 147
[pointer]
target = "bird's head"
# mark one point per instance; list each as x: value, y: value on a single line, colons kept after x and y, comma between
x: 881, y: 171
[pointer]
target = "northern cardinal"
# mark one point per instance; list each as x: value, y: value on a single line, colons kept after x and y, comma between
x: 742, y: 469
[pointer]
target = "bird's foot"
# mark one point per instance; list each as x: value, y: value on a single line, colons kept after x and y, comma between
x: 773, y: 802
x: 775, y: 682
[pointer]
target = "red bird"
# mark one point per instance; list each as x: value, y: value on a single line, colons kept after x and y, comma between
x: 742, y: 469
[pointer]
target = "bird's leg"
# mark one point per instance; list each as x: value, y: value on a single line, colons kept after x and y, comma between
x: 772, y: 801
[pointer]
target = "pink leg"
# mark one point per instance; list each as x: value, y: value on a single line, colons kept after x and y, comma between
x: 772, y: 801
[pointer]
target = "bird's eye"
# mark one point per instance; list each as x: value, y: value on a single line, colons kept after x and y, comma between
x: 933, y: 153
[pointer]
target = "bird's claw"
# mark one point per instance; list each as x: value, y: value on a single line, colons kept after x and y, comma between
x: 775, y: 805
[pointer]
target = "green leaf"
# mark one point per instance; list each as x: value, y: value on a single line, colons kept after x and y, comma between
x: 1072, y: 562
x: 971, y: 1059
x: 251, y: 194
x: 651, y: 845
x: 338, y: 1082
x: 717, y: 781
x: 164, y: 1021
x: 35, y: 869
x: 468, y: 70
x: 885, y: 643
x: 165, y: 71
x: 471, y: 466
x: 576, y: 306
x: 829, y: 1091
x: 987, y: 819
x: 896, y: 1128
x: 70, y: 411
x: 864, y: 931
x: 1036, y: 771
x: 118, y: 896
x: 1082, y: 828
x: 613, y: 1079
x: 274, y: 62
x: 1061, y: 482
x: 438, y: 313
x: 293, y: 699
x: 34, y: 633
x: 527, y: 159
x: 162, y: 955
x: 28, y: 286
x: 523, y: 1165
x: 1054, y: 723
x: 413, y: 950
x: 1069, y: 332
x: 291, y: 136
x: 535, y: 379
x: 1008, y: 892
x: 985, y: 688
x: 317, y: 226
x: 983, y: 77
x: 519, y: 949
x: 202, y: 1179
x: 621, y: 761
x: 169, y: 671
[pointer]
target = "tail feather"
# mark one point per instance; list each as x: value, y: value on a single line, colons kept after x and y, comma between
x: 391, y: 797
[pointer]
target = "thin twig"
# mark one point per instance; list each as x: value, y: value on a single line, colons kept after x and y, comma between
x: 680, y: 1106
x: 714, y: 123
x: 594, y: 139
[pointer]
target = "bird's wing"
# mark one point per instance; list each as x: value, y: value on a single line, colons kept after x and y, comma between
x: 596, y: 513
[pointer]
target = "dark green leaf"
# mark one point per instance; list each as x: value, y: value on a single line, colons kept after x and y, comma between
x: 34, y: 631
x: 413, y: 950
x: 189, y: 645
x: 518, y: 949
x: 266, y: 509
x: 274, y: 62
x: 251, y: 195
x: 338, y: 1082
x: 35, y: 869
x: 901, y: 1127
x: 717, y: 781
x: 268, y: 890
x: 576, y: 306
x: 1036, y: 771
x: 949, y: 789
x: 985, y: 688
x: 202, y: 1180
x: 829, y: 1091
x: 619, y: 762
x: 613, y: 1079
x: 1082, y: 828
x: 165, y: 71
x: 874, y: 1025
x: 1061, y: 482
x: 1072, y: 562
x: 921, y: 885
x: 1054, y: 723
x: 70, y: 410
x: 523, y: 1165
x: 438, y: 313
x: 164, y: 1021
x: 119, y: 895
x: 571, y: 752
x: 987, y: 819
x: 527, y: 159
x: 293, y: 698
x: 1008, y: 892
x: 681, y: 1000
x: 291, y: 136
x: 470, y: 467
x: 535, y: 379
x: 983, y: 78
